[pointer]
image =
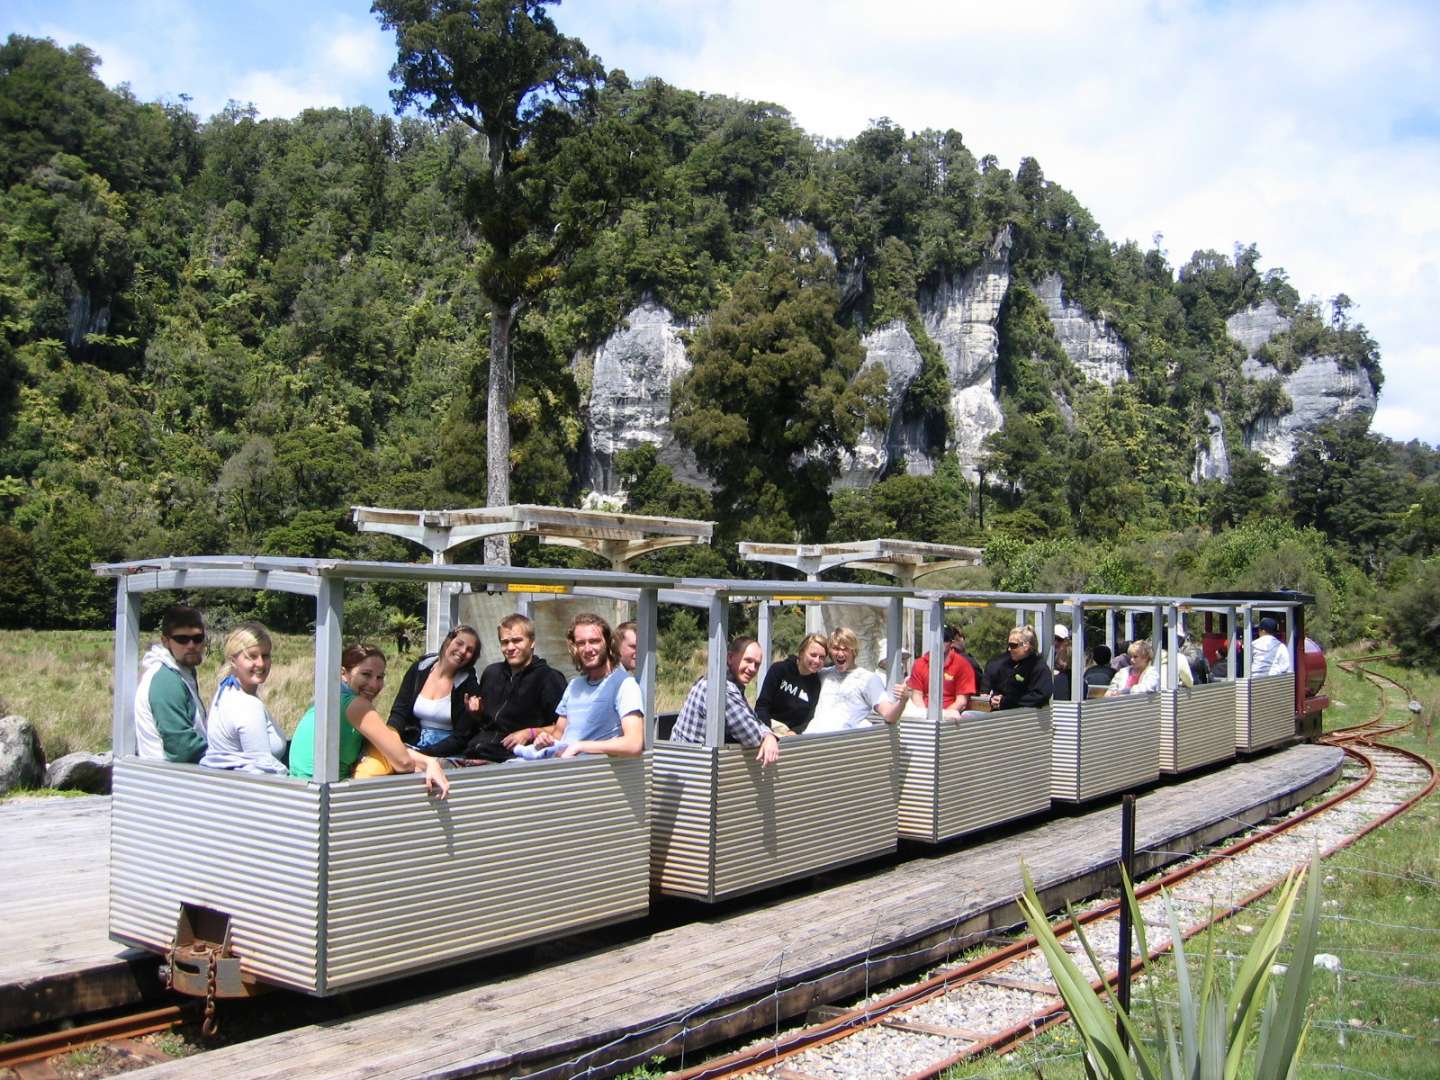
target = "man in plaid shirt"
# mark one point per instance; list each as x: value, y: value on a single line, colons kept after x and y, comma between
x: 743, y: 660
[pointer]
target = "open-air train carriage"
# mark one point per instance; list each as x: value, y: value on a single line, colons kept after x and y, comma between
x: 723, y: 825
x: 1268, y: 708
x: 330, y: 884
x: 962, y: 774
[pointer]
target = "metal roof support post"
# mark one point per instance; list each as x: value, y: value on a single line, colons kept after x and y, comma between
x: 646, y: 642
x: 935, y: 646
x: 1129, y: 626
x: 127, y: 659
x: 329, y: 603
x: 525, y: 605
x: 1077, y: 651
x: 1292, y: 625
x: 814, y: 613
x: 716, y: 670
x: 1157, y: 639
x: 1230, y: 663
x: 1110, y: 630
x: 1047, y: 632
x: 894, y: 623
x: 763, y: 630
x: 1172, y: 659
x: 1249, y: 637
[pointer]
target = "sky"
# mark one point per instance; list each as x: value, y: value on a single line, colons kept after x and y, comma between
x: 1310, y: 128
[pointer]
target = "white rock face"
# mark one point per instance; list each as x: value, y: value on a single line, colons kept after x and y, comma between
x: 891, y: 347
x: 961, y: 317
x: 1256, y: 326
x: 630, y: 383
x: 1212, y: 460
x: 1319, y: 390
x: 1089, y: 343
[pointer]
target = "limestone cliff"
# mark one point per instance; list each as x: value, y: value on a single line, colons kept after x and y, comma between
x: 892, y: 347
x: 961, y: 317
x: 1319, y: 389
x: 630, y: 376
x: 1095, y: 349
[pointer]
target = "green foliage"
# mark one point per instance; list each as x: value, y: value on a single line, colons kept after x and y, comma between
x: 1215, y: 1032
x: 775, y: 394
x: 1411, y: 617
x: 1348, y: 344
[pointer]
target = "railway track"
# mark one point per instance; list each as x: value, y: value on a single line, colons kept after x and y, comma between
x: 994, y: 1003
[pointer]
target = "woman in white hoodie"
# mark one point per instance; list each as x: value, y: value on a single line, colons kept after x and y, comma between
x: 242, y: 736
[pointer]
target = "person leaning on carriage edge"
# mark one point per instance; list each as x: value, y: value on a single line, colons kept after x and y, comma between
x: 792, y: 687
x: 601, y: 711
x: 438, y: 702
x: 169, y: 715
x: 517, y: 692
x: 742, y: 660
x: 1020, y: 679
x: 849, y: 694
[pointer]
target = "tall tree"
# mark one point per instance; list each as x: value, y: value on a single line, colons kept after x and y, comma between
x: 776, y: 394
x: 558, y: 168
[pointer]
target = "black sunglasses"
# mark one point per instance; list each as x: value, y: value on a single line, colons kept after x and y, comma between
x: 188, y: 639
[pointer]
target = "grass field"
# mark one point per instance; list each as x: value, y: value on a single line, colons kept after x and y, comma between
x: 1380, y: 1016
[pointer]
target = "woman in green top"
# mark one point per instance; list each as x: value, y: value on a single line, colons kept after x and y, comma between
x: 362, y: 677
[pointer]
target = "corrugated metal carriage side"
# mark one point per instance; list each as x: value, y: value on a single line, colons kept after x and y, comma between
x: 334, y: 883
x: 331, y: 884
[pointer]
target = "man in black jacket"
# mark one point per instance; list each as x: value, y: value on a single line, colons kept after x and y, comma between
x: 1021, y: 678
x: 517, y: 693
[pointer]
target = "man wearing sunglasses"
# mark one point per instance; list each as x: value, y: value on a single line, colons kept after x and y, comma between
x: 169, y: 715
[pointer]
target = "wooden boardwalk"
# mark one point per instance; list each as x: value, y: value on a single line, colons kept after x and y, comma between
x: 741, y: 968
x: 56, y: 957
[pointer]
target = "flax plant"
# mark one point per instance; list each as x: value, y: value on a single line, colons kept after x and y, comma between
x: 1215, y: 1029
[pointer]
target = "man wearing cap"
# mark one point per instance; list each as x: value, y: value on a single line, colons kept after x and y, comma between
x: 957, y: 680
x: 1061, y: 679
x: 1268, y: 654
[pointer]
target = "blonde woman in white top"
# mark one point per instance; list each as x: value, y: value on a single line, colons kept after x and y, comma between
x: 240, y: 732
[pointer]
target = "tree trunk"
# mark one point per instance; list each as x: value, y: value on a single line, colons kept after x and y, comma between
x: 497, y: 421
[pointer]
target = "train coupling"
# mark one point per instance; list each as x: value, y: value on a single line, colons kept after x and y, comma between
x: 202, y: 963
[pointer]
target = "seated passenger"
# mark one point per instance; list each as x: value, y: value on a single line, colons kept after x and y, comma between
x: 241, y: 734
x: 169, y: 715
x: 627, y: 642
x: 601, y: 711
x: 517, y: 692
x: 1183, y: 674
x: 362, y: 677
x: 1060, y: 677
x: 1268, y: 654
x: 849, y: 694
x: 1020, y: 679
x: 791, y: 688
x: 439, y: 698
x: 743, y: 660
x: 1100, y: 673
x: 1199, y: 666
x: 1139, y: 676
x: 957, y: 681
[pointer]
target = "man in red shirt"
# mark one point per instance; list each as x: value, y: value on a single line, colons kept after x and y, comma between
x: 957, y: 680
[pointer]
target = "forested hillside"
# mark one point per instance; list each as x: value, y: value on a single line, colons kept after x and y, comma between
x: 217, y: 334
